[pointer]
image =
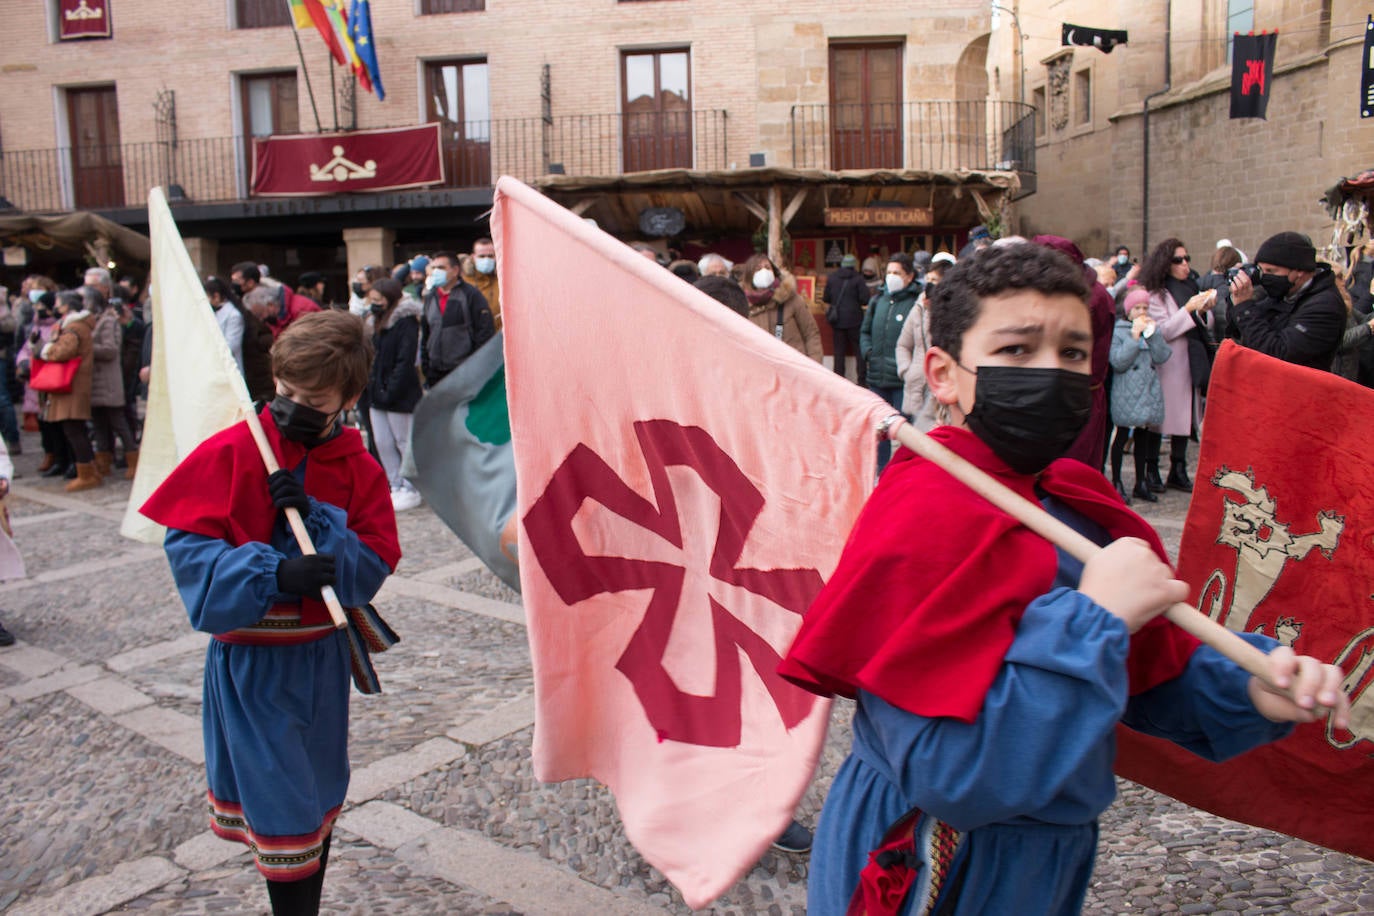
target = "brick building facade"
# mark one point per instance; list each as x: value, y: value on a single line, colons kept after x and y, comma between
x: 526, y: 87
x: 1209, y: 177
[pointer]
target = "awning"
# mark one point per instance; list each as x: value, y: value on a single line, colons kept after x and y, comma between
x: 739, y: 200
x: 80, y: 232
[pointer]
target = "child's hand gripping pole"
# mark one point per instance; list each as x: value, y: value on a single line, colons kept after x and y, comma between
x: 1061, y: 535
x: 293, y: 517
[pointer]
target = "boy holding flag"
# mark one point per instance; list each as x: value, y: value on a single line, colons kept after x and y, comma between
x: 991, y: 669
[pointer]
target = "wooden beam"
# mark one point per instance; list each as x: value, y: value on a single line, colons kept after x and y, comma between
x: 582, y: 206
x: 775, y: 224
x: 751, y: 205
x: 793, y: 206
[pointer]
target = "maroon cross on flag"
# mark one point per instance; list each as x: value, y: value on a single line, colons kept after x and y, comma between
x: 1252, y: 71
x: 685, y: 485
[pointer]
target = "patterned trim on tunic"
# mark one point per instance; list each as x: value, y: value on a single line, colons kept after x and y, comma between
x: 280, y: 626
x: 279, y: 858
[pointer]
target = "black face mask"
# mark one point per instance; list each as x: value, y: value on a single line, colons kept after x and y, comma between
x: 1029, y: 417
x: 298, y: 422
x: 237, y: 288
x: 376, y: 309
x: 1277, y: 287
x: 357, y: 289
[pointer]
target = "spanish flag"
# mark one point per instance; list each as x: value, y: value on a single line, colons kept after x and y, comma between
x: 311, y: 13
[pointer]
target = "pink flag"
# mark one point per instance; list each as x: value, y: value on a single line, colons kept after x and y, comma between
x: 685, y: 485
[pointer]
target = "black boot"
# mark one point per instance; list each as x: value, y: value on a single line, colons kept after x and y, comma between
x: 1121, y: 490
x: 70, y: 472
x: 1142, y: 491
x: 1178, y: 477
x: 1152, y: 478
x: 58, y: 469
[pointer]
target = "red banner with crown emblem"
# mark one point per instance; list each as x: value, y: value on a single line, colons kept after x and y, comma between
x: 83, y: 19
x: 1278, y: 542
x: 317, y: 165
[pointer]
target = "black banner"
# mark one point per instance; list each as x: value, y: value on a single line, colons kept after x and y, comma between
x: 1102, y: 39
x: 1367, y: 72
x: 1252, y: 71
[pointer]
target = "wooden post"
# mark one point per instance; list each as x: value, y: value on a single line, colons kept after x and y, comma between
x: 775, y: 225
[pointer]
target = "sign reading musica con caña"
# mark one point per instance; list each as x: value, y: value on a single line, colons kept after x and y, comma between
x: 879, y: 216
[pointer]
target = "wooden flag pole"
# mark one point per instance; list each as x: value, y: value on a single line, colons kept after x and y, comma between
x: 1076, y: 545
x: 293, y: 517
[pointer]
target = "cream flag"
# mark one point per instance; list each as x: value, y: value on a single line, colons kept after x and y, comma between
x: 194, y: 388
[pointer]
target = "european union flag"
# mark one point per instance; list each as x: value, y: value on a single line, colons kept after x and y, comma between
x: 360, y: 31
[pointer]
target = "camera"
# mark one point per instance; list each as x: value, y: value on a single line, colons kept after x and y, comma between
x: 1250, y: 270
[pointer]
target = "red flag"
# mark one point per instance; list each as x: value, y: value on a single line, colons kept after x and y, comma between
x: 1278, y: 541
x: 685, y: 485
x: 315, y: 10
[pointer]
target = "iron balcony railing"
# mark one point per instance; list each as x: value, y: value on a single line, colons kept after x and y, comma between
x: 931, y: 135
x: 218, y: 169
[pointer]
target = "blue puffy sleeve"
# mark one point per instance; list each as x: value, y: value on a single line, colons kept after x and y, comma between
x: 1039, y: 747
x: 223, y: 587
x: 1207, y: 708
x: 359, y: 572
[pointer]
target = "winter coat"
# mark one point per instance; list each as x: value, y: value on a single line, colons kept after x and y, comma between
x: 451, y: 334
x: 846, y: 291
x: 290, y: 306
x: 799, y: 328
x: 1137, y: 396
x: 73, y: 340
x: 107, y: 344
x: 1175, y: 374
x: 257, y: 356
x: 880, y: 332
x: 1356, y: 339
x: 1361, y: 278
x: 917, y: 402
x: 1305, y: 331
x: 395, y: 385
x: 489, y: 285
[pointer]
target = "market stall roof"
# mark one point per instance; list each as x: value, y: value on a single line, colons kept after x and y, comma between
x: 732, y: 200
x: 79, y: 231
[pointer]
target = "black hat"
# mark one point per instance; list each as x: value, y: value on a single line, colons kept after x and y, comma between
x: 725, y: 291
x: 310, y: 278
x: 1288, y: 249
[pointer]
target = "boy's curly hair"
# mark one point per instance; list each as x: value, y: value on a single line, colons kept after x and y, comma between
x: 325, y: 349
x: 958, y: 299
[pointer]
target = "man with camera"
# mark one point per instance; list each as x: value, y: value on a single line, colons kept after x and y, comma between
x: 1286, y: 305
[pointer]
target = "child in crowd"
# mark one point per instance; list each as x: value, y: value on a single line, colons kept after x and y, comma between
x: 1137, y: 395
x: 990, y: 669
x: 277, y: 671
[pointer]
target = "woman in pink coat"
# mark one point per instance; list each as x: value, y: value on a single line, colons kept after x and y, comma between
x: 1174, y: 299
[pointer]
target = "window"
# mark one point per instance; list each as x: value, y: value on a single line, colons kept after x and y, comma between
x: 657, y: 112
x: 432, y: 7
x: 1038, y: 100
x: 1083, y: 97
x: 270, y: 105
x: 261, y: 14
x: 1240, y: 17
x: 456, y: 96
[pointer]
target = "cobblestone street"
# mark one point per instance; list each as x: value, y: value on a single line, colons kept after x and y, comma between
x: 102, y: 794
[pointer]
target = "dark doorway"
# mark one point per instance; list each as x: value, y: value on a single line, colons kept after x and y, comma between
x: 866, y: 106
x: 97, y: 163
x: 456, y: 97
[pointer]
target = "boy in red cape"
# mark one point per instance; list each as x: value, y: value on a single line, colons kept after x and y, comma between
x: 991, y: 669
x: 277, y: 671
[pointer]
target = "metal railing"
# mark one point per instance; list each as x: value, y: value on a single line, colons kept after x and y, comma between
x: 476, y: 153
x: 931, y: 135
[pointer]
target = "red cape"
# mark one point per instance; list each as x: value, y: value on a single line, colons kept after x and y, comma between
x: 925, y: 601
x: 220, y: 491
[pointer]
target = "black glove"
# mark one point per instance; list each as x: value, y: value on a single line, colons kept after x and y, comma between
x: 305, y: 575
x: 286, y: 491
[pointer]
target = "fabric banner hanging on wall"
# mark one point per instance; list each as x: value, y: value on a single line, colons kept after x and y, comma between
x: 1367, y: 71
x: 313, y: 165
x: 1102, y: 39
x: 1252, y: 72
x: 83, y: 19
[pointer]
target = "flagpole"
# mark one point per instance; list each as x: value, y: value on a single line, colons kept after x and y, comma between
x: 293, y: 518
x: 1034, y: 517
x: 333, y: 95
x: 310, y: 90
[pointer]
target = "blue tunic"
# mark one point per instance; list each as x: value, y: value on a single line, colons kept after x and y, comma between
x: 1028, y: 779
x: 275, y: 716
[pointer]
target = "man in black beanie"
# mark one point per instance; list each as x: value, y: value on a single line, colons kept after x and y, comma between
x: 1294, y: 313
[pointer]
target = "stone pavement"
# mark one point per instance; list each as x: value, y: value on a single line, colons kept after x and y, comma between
x: 102, y: 805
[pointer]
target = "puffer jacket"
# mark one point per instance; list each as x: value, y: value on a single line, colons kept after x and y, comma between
x: 1137, y: 396
x: 881, y: 330
x: 799, y: 328
x: 395, y: 385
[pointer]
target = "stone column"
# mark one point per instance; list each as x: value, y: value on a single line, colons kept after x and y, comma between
x: 205, y: 256
x: 369, y: 246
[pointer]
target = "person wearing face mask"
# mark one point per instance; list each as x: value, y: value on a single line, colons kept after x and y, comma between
x: 990, y: 671
x: 1179, y: 311
x: 454, y: 322
x: 1296, y: 314
x: 777, y: 307
x: 882, y: 328
x: 357, y: 290
x: 483, y: 276
x: 393, y: 389
x: 277, y: 671
x: 911, y: 356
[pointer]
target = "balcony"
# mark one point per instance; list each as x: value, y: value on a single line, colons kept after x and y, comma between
x: 924, y: 136
x: 216, y: 169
